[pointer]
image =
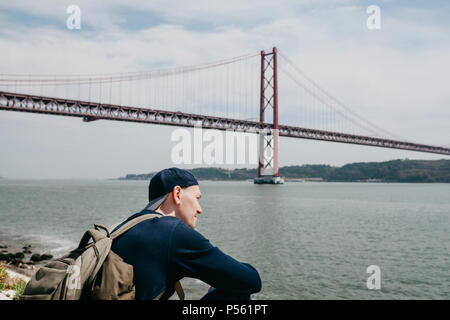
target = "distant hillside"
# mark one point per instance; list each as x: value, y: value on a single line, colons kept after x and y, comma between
x: 389, y: 171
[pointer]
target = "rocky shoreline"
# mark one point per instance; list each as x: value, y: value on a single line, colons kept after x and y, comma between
x: 20, y: 266
x: 25, y: 261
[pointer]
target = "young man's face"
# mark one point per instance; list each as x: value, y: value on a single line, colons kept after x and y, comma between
x: 190, y: 207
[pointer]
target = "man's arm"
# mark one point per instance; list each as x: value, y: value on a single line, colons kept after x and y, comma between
x: 192, y: 255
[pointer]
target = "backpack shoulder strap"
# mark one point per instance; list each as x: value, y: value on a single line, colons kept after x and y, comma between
x: 130, y: 224
x: 93, y: 234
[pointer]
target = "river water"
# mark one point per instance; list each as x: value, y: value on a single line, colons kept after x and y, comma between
x: 307, y: 240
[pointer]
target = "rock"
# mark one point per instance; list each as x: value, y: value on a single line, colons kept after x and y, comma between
x: 26, y: 249
x: 7, y: 257
x: 12, y: 258
x: 19, y: 255
x: 25, y: 266
x: 36, y: 257
x: 46, y: 256
x: 16, y: 262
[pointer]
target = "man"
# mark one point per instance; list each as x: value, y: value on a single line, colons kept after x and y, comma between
x: 166, y: 249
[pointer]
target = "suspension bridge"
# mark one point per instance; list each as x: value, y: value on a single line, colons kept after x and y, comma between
x: 239, y: 94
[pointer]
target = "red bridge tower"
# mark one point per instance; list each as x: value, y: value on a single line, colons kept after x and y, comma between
x: 268, y: 141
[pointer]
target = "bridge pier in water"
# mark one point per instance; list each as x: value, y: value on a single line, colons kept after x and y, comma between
x: 268, y: 180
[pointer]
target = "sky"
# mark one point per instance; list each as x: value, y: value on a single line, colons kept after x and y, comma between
x: 396, y: 76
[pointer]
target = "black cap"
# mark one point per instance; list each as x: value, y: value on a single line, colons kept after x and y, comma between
x: 163, y: 183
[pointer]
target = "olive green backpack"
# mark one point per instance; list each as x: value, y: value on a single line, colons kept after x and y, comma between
x: 91, y: 271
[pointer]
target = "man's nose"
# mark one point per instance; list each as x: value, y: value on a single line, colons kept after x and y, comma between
x: 199, y: 210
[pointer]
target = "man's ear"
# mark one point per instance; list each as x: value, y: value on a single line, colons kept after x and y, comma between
x: 176, y: 194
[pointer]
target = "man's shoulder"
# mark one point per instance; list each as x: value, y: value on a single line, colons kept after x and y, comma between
x: 169, y: 226
x: 162, y: 222
x: 185, y: 236
x: 178, y: 226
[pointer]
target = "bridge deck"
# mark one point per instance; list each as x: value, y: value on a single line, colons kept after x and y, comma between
x: 91, y: 111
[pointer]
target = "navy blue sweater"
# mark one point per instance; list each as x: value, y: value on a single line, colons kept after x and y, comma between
x: 165, y: 250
